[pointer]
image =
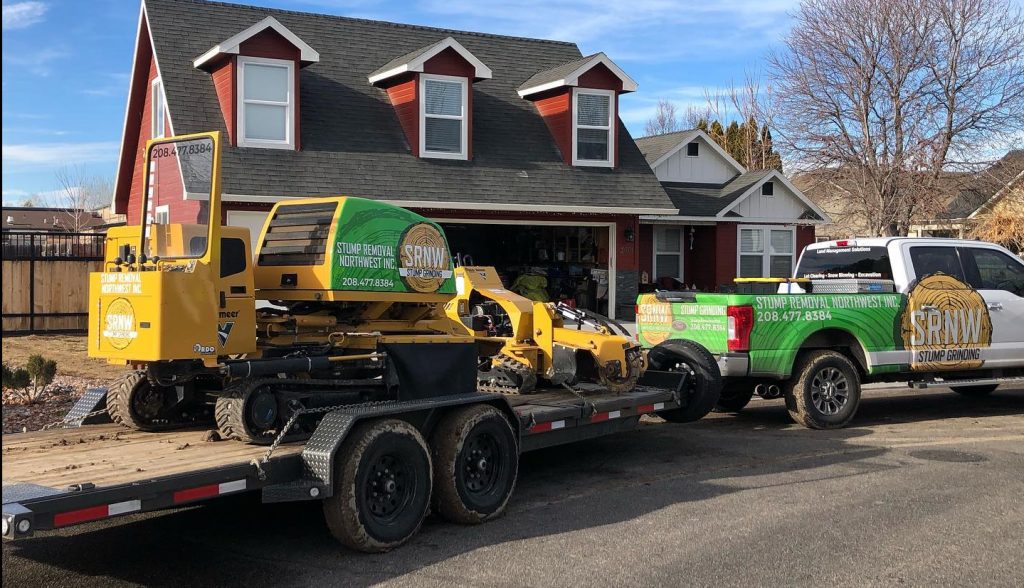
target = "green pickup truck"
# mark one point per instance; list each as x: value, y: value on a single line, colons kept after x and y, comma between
x: 928, y: 311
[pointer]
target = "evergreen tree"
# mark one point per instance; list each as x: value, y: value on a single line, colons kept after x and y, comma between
x: 734, y: 142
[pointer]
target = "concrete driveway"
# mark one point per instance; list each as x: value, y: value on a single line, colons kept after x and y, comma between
x: 923, y: 488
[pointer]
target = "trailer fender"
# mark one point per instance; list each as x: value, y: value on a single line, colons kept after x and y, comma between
x: 319, y: 454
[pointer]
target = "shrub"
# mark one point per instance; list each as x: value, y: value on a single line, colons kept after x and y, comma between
x: 42, y: 371
x: 15, y: 378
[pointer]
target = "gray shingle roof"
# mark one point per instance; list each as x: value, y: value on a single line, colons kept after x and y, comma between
x: 351, y: 139
x: 984, y: 185
x: 555, y: 73
x: 405, y: 58
x: 694, y: 199
x: 655, y: 147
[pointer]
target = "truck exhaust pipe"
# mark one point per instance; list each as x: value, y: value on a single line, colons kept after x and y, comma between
x: 774, y: 391
x: 761, y: 390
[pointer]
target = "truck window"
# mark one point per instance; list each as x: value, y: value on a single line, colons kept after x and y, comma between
x: 845, y: 262
x: 995, y: 270
x: 932, y: 260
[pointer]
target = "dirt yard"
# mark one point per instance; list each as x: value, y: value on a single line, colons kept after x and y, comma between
x: 75, y: 373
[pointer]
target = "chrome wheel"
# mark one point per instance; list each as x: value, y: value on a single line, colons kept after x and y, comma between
x: 830, y: 391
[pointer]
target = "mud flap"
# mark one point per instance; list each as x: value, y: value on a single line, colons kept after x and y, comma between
x: 428, y: 370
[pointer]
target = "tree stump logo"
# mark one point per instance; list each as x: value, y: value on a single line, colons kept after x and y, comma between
x: 423, y: 260
x: 119, y: 324
x: 656, y: 318
x: 945, y: 325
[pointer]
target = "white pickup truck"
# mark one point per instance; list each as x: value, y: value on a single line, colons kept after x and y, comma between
x: 925, y: 310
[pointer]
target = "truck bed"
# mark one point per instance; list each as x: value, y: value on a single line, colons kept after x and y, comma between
x: 110, y: 455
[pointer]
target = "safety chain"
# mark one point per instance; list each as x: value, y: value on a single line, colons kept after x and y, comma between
x: 590, y: 405
x: 67, y: 421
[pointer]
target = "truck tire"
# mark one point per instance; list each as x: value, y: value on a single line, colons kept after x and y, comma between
x: 824, y: 390
x: 705, y: 385
x: 734, y: 397
x: 382, y: 488
x: 476, y: 463
x: 134, y: 402
x: 975, y: 391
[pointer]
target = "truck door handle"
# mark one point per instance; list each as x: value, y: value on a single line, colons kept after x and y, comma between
x: 995, y: 305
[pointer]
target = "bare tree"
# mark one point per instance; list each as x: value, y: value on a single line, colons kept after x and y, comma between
x: 892, y: 95
x: 664, y: 120
x: 79, y: 194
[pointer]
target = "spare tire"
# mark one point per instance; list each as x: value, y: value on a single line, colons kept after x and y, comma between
x: 704, y: 383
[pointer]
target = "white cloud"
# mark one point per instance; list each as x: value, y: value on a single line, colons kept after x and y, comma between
x: 37, y: 62
x: 118, y: 86
x: 34, y: 155
x: 19, y: 15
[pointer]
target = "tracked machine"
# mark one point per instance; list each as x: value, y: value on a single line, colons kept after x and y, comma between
x: 345, y: 301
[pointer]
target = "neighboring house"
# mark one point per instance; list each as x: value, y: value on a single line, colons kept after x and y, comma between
x: 40, y: 219
x: 731, y: 222
x: 975, y: 197
x: 513, y: 144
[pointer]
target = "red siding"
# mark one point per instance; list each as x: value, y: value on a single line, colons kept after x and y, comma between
x: 725, y: 254
x: 556, y: 110
x: 804, y: 237
x: 645, y: 256
x: 600, y: 77
x: 224, y: 81
x: 403, y: 98
x: 449, y: 63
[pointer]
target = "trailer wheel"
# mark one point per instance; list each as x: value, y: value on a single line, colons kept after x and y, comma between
x: 975, y: 391
x: 476, y: 463
x: 734, y: 397
x: 705, y: 379
x: 134, y: 402
x: 383, y: 486
x: 824, y: 392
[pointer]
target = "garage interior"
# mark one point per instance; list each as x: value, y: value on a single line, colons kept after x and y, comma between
x: 546, y: 263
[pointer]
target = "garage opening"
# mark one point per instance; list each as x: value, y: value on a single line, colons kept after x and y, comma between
x: 546, y: 263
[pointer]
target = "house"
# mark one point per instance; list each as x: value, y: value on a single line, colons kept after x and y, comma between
x: 731, y: 222
x: 43, y: 219
x: 975, y: 197
x: 514, y: 145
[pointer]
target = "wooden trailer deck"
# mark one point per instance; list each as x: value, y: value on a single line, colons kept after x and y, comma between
x: 110, y: 455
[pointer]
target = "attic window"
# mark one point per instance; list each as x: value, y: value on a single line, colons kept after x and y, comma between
x: 266, y: 103
x: 592, y: 141
x: 443, y: 129
x: 693, y: 149
x: 768, y: 189
x: 158, y: 115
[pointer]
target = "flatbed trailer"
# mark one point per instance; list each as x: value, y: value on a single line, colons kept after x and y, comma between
x: 62, y: 477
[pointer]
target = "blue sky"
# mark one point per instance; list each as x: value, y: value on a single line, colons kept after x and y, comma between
x: 66, y: 62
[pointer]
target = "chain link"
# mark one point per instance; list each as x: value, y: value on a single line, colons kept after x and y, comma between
x: 68, y: 421
x: 259, y: 463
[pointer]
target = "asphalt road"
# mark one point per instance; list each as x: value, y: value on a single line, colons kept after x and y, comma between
x: 922, y: 489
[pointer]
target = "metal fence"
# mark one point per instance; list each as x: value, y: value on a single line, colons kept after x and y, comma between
x: 46, y: 280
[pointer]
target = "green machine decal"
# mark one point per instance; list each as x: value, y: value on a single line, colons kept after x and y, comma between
x: 383, y: 248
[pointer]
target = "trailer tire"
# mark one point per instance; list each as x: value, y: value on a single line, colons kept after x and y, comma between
x: 703, y: 392
x: 126, y: 403
x: 382, y: 489
x: 734, y: 397
x: 476, y: 464
x: 975, y: 391
x: 824, y: 391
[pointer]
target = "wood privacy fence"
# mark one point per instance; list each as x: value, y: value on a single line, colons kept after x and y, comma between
x: 46, y: 280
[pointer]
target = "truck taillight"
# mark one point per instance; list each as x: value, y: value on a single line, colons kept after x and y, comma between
x: 740, y: 323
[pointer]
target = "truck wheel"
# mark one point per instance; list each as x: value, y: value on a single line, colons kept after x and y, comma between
x: 134, y: 402
x: 734, y: 397
x: 705, y: 380
x: 476, y: 463
x: 975, y: 391
x: 382, y: 488
x: 824, y: 391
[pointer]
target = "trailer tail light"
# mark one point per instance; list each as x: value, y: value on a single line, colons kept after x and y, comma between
x: 740, y: 324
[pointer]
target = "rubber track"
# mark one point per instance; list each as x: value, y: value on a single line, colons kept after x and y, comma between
x: 514, y: 369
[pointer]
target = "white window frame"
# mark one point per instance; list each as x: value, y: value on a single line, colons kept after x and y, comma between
x: 164, y: 210
x: 657, y: 252
x: 158, y: 124
x: 289, y: 123
x: 463, y: 118
x: 766, y: 255
x: 612, y: 117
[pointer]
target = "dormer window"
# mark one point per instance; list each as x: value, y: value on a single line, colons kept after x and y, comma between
x: 768, y: 189
x: 266, y: 103
x: 693, y: 149
x: 593, y: 117
x: 443, y: 128
x: 159, y: 114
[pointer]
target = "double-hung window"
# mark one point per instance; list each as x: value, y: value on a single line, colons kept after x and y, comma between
x: 593, y: 116
x: 766, y: 252
x: 266, y: 103
x: 668, y: 253
x: 444, y: 129
x: 159, y: 113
